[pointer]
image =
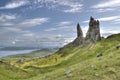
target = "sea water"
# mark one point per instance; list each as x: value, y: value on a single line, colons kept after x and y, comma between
x: 4, y: 53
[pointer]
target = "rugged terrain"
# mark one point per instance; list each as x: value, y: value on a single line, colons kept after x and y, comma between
x: 94, y: 58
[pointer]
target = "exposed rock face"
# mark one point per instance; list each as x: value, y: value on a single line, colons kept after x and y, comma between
x: 79, y: 39
x: 79, y: 31
x: 93, y: 33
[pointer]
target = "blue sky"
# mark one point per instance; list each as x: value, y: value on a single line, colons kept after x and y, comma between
x: 53, y: 22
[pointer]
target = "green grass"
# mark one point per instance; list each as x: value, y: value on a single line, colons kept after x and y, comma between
x: 70, y: 63
x: 9, y: 72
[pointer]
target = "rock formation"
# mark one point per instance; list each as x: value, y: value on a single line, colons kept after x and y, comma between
x: 79, y: 31
x: 92, y: 36
x: 79, y: 39
x: 93, y: 33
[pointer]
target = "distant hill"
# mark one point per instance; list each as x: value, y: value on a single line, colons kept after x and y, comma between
x: 17, y: 48
x: 35, y: 54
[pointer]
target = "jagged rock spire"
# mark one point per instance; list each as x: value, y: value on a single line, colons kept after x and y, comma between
x: 93, y: 33
x: 79, y: 39
x: 79, y: 31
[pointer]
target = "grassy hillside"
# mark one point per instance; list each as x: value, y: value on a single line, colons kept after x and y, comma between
x: 70, y: 63
x: 9, y: 72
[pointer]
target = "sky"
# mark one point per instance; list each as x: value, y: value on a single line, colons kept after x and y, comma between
x: 47, y: 23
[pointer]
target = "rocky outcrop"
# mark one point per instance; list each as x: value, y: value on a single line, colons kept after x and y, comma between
x: 79, y: 31
x: 79, y: 39
x: 93, y: 33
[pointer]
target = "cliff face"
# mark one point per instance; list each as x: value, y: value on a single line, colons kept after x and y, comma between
x: 93, y: 33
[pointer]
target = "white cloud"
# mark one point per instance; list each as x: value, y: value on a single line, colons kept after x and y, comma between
x: 15, y: 4
x: 105, y: 10
x: 111, y: 18
x: 64, y: 23
x: 43, y: 40
x: 33, y: 22
x: 51, y: 29
x: 7, y: 20
x: 118, y: 20
x: 85, y: 21
x: 67, y: 6
x: 7, y: 17
x: 12, y: 31
x: 6, y: 24
x: 107, y: 32
x: 11, y: 27
x: 108, y: 5
x: 29, y: 34
x: 8, y: 30
x: 73, y: 7
x: 64, y: 28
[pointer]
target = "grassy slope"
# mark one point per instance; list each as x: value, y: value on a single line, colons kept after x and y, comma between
x: 73, y: 63
x: 8, y: 72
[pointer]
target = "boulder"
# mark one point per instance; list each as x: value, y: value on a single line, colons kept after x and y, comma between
x: 99, y: 54
x: 117, y: 47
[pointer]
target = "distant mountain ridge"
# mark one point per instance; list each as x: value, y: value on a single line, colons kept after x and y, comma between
x: 17, y: 48
x: 24, y: 48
